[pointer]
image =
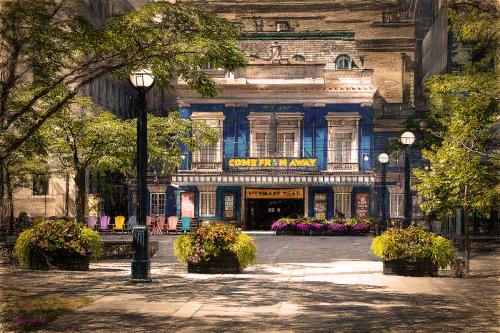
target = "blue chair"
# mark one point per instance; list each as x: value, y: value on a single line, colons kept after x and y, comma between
x: 132, y: 222
x: 186, y: 224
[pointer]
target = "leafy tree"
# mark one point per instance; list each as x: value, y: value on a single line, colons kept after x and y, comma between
x: 49, y: 52
x: 459, y: 131
x: 98, y: 140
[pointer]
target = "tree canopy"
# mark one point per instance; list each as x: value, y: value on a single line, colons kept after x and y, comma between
x: 461, y: 129
x: 49, y: 51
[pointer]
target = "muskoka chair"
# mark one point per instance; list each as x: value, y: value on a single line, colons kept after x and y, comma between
x: 186, y: 224
x: 104, y: 223
x: 131, y: 223
x: 172, y: 224
x: 119, y: 223
x: 160, y: 223
x: 91, y: 222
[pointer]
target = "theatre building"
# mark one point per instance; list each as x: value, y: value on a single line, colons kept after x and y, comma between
x: 302, y: 124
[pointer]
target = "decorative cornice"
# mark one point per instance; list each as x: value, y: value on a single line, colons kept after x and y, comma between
x: 287, y: 35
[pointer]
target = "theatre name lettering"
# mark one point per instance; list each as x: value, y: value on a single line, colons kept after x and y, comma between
x: 272, y: 163
x: 274, y: 193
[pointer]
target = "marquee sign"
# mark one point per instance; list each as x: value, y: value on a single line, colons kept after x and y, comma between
x: 274, y: 193
x: 304, y: 164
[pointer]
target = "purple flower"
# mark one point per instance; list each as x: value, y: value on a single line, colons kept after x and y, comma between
x: 338, y: 228
x: 361, y: 227
x: 278, y: 226
x: 317, y: 226
x: 304, y: 227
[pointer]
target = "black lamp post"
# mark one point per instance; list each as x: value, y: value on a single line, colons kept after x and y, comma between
x: 142, y: 81
x: 383, y: 159
x: 407, y: 138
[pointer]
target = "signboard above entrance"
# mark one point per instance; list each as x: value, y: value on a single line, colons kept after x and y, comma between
x: 298, y: 164
x: 274, y: 193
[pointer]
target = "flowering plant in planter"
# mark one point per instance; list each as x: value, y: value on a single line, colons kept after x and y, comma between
x: 413, y: 245
x: 56, y: 243
x: 210, y: 242
x: 338, y: 228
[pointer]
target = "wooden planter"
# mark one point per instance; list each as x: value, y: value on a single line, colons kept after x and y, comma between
x: 223, y: 264
x: 423, y: 267
x: 64, y: 261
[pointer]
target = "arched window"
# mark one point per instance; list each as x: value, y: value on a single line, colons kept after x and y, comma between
x: 299, y: 58
x: 343, y: 62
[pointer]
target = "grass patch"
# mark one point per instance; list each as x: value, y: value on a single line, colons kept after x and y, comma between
x: 21, y: 312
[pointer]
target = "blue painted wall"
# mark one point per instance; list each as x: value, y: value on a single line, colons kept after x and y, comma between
x: 236, y: 131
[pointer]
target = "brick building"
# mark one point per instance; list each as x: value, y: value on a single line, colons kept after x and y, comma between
x: 328, y: 83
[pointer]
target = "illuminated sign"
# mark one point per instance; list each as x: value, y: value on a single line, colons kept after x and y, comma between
x: 272, y: 163
x: 274, y: 193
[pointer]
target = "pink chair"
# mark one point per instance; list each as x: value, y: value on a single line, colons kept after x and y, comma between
x: 160, y: 223
x: 172, y: 224
x: 91, y: 222
x: 104, y: 223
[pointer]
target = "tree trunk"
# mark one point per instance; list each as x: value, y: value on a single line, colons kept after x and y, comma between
x: 10, y: 200
x: 81, y: 194
x: 2, y: 195
x: 66, y: 197
x: 466, y: 234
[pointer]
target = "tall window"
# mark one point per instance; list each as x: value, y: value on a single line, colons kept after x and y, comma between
x: 261, y: 144
x: 157, y: 203
x: 342, y: 143
x: 342, y: 203
x: 397, y: 205
x: 40, y: 185
x: 286, y: 144
x: 343, y: 62
x: 207, y: 203
x: 209, y: 154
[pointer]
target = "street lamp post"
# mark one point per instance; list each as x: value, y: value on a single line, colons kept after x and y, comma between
x: 383, y: 159
x: 407, y: 138
x: 142, y: 82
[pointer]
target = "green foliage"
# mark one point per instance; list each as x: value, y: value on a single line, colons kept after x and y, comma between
x: 245, y: 250
x: 92, y: 242
x: 65, y: 52
x: 213, y: 240
x: 56, y: 237
x: 183, y: 248
x: 412, y: 244
x: 24, y: 244
x: 459, y: 131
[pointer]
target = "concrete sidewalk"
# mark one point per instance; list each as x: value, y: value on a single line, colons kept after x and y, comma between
x: 300, y: 284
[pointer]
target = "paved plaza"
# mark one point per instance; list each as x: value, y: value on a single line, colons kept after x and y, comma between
x: 299, y: 284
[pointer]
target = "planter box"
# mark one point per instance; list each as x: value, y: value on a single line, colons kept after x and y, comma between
x: 44, y: 261
x: 410, y: 268
x: 223, y: 264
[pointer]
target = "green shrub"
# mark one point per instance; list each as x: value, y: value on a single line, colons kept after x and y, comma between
x: 245, y: 250
x: 24, y: 244
x: 413, y: 244
x: 58, y: 237
x: 213, y: 240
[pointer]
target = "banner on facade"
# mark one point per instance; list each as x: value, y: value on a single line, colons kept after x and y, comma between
x: 274, y: 193
x: 320, y: 205
x: 362, y: 204
x: 306, y: 164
